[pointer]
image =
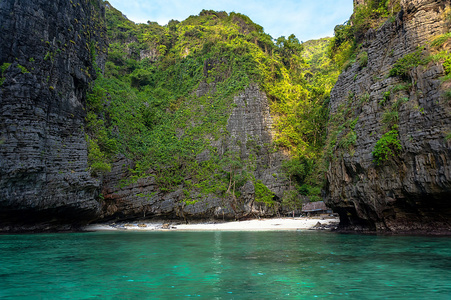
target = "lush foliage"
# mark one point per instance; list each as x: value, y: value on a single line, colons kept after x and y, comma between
x: 167, y: 94
x: 345, y: 44
x: 387, y: 146
x: 309, y: 120
x: 435, y: 51
x: 372, y: 14
x: 263, y: 194
x: 407, y: 62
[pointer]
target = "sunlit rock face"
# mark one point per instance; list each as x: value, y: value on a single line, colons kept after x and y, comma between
x: 250, y: 134
x: 411, y: 191
x: 46, y: 54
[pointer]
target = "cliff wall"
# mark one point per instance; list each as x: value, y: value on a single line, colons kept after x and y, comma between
x: 410, y: 189
x: 250, y: 134
x: 48, y: 56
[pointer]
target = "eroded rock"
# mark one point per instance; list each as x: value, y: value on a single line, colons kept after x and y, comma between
x: 412, y: 190
x: 46, y: 51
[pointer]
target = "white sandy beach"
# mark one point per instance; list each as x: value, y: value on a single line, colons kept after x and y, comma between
x: 250, y: 225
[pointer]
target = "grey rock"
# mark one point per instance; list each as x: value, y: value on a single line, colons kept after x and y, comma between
x: 43, y: 153
x: 250, y: 133
x: 411, y: 191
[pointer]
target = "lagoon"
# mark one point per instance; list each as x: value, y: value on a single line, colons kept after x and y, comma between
x: 224, y: 265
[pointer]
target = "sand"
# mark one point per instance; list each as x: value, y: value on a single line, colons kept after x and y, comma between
x: 250, y: 225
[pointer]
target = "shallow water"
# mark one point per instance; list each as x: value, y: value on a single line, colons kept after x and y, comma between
x: 223, y: 265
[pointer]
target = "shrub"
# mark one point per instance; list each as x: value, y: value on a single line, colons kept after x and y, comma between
x: 141, y: 77
x: 95, y: 99
x: 447, y: 15
x: 343, y: 52
x: 97, y: 159
x: 342, y: 33
x: 291, y: 199
x: 440, y: 40
x: 363, y: 59
x: 385, y: 98
x: 369, y: 15
x: 3, y: 68
x: 348, y: 140
x: 448, y: 136
x: 390, y: 117
x: 263, y: 194
x: 401, y: 87
x: 395, y: 106
x: 387, y: 146
x: 447, y: 95
x: 405, y: 64
x: 365, y: 98
x: 297, y: 169
x: 447, y: 65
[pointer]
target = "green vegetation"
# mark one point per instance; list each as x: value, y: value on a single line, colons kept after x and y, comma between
x: 346, y: 49
x: 441, y: 40
x: 345, y: 45
x: 447, y: 95
x: 434, y: 51
x: 448, y: 136
x: 390, y: 117
x: 167, y: 94
x: 263, y: 194
x: 387, y: 146
x: 385, y: 98
x: 342, y: 136
x: 447, y: 15
x: 373, y: 14
x: 401, y: 87
x: 3, y: 68
x: 363, y: 59
x: 101, y: 148
x: 291, y: 200
x: 440, y: 51
x: 23, y: 69
x: 407, y: 62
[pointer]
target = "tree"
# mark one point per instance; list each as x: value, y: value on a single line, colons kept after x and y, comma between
x: 289, y: 50
x: 292, y: 200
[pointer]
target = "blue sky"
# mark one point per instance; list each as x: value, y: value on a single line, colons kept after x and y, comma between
x: 307, y: 19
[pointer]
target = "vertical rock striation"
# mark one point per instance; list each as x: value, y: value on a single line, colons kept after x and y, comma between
x: 49, y: 54
x: 250, y: 135
x: 411, y: 191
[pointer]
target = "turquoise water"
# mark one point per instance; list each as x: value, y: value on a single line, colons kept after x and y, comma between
x: 223, y: 265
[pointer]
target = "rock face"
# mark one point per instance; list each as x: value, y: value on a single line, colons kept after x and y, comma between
x: 250, y: 134
x: 411, y: 191
x: 47, y: 59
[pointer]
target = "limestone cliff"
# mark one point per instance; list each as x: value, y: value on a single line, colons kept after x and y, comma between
x: 182, y: 116
x: 410, y: 189
x: 195, y: 125
x: 48, y: 56
x: 250, y: 134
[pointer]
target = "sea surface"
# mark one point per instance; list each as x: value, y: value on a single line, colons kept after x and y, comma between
x: 224, y: 265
